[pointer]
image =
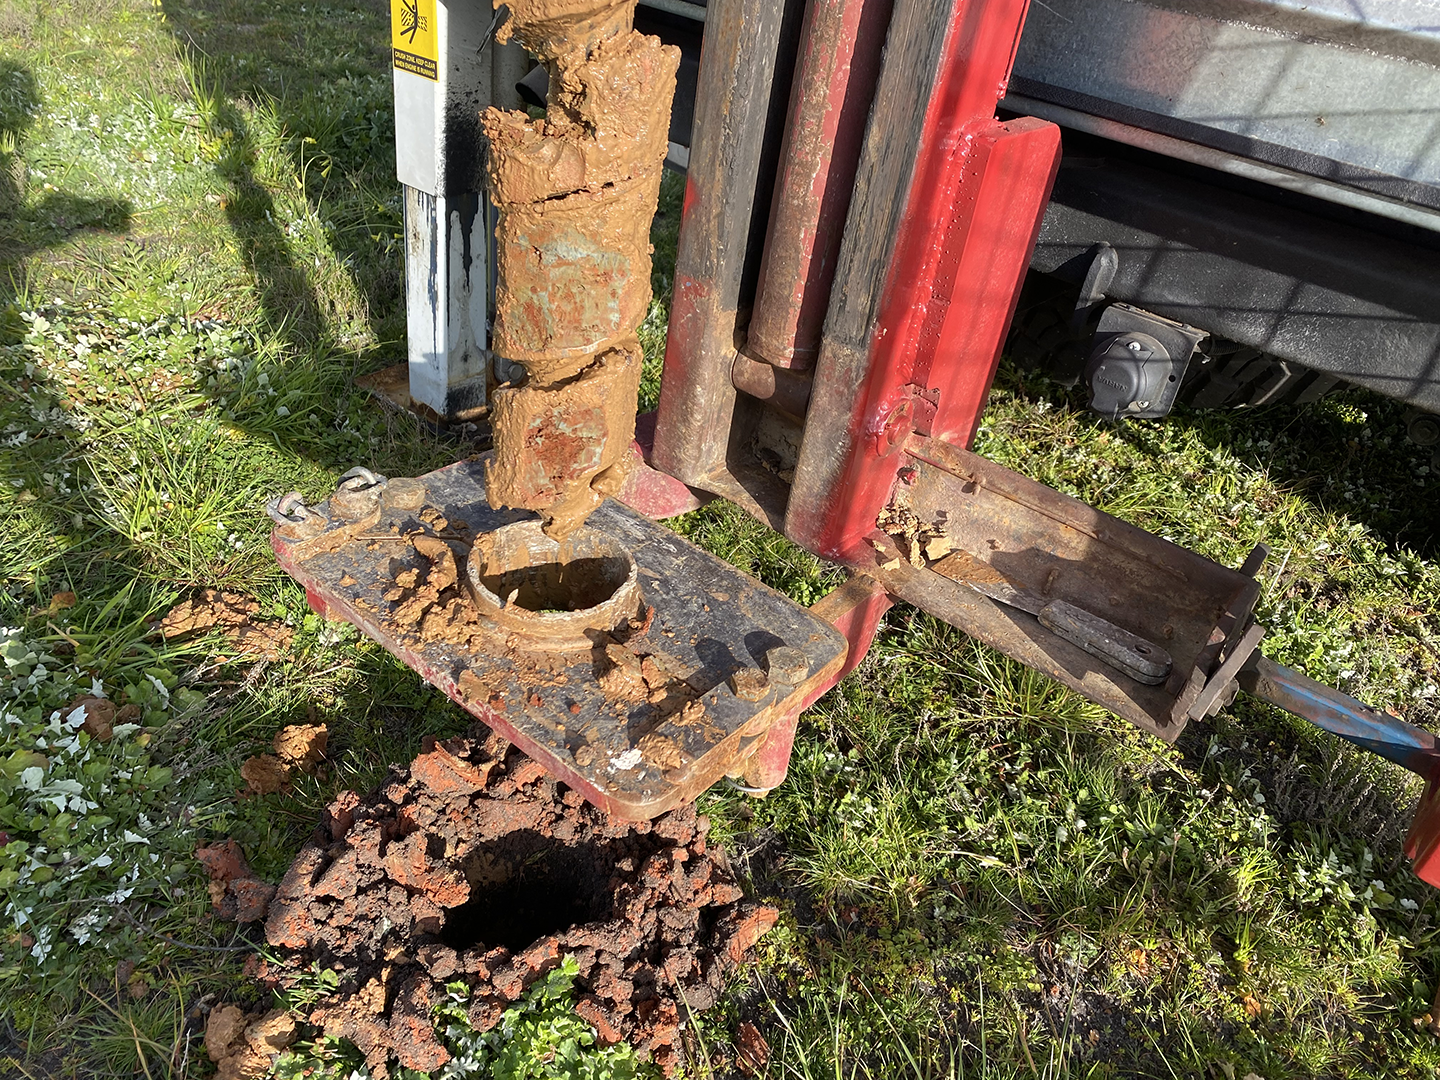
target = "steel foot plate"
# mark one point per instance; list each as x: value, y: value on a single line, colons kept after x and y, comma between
x: 634, y: 751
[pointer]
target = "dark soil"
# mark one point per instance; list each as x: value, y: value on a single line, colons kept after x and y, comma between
x: 559, y: 586
x: 474, y: 864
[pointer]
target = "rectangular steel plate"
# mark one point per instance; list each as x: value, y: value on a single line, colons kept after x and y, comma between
x: 709, y: 621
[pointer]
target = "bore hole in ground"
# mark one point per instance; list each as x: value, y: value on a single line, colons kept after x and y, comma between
x: 559, y: 586
x: 525, y: 886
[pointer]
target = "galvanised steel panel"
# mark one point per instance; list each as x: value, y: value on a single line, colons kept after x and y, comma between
x: 1348, y: 91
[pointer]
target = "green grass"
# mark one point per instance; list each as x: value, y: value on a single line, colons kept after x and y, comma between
x: 980, y: 873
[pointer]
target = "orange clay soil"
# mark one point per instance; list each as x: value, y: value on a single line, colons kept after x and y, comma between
x: 474, y: 864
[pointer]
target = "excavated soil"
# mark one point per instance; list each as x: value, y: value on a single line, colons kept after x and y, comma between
x: 236, y: 893
x: 474, y: 864
x: 298, y: 748
x: 244, y: 1045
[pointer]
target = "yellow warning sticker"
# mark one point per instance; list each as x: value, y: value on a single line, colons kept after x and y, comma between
x: 414, y: 37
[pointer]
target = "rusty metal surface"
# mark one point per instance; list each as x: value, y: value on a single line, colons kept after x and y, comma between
x: 574, y: 279
x: 1141, y: 660
x: 632, y: 756
x: 1219, y: 690
x: 946, y: 208
x: 835, y: 73
x: 550, y: 595
x: 786, y: 390
x: 655, y: 494
x: 557, y: 445
x: 743, y: 81
x: 1058, y: 548
x: 748, y: 484
x: 855, y: 608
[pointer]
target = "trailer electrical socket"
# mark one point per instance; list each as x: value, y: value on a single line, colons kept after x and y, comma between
x: 1138, y: 363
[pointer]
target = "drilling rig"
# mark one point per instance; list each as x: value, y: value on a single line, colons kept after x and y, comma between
x: 872, y: 189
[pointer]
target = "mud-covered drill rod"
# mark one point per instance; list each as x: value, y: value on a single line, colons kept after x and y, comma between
x: 576, y: 191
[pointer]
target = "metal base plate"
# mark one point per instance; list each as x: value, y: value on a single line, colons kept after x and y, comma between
x: 634, y: 757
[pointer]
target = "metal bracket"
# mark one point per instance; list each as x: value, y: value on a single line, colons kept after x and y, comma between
x: 1104, y: 262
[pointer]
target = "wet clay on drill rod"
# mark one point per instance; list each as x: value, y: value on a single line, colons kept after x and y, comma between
x: 569, y: 434
x: 473, y: 864
x: 576, y: 192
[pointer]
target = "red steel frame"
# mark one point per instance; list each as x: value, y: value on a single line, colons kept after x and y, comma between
x: 958, y: 260
x: 919, y: 288
x: 941, y: 284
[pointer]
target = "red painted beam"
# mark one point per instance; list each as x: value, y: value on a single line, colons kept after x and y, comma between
x: 917, y: 352
x: 855, y: 609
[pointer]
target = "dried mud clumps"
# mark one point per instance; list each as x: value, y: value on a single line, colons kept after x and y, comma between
x: 474, y: 865
x: 234, y: 614
x: 918, y: 542
x: 244, y: 1045
x: 235, y: 892
x: 576, y: 192
x: 298, y: 748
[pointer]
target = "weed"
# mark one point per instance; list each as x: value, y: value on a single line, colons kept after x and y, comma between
x: 538, y: 1038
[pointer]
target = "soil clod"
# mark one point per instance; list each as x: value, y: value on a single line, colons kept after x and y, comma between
x: 298, y: 748
x: 301, y: 746
x: 244, y: 1045
x: 236, y: 893
x: 100, y: 716
x: 752, y: 1052
x: 474, y: 864
x: 235, y: 615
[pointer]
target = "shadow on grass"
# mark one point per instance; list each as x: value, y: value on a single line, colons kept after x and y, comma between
x: 1318, y: 451
x: 286, y: 295
x: 321, y: 83
x: 32, y: 224
x: 327, y: 78
x: 1052, y: 933
x: 298, y: 117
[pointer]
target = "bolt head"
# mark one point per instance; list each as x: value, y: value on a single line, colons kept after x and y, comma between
x: 749, y: 684
x: 1133, y: 346
x: 788, y: 665
x: 897, y: 426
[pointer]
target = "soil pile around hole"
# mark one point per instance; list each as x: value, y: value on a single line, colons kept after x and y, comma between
x: 474, y: 865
